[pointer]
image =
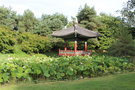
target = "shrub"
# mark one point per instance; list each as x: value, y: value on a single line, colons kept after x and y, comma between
x: 35, y: 44
x: 62, y: 68
x: 57, y: 43
x: 29, y: 43
x: 7, y: 42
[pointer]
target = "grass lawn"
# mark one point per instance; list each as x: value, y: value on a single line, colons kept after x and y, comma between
x: 112, y: 82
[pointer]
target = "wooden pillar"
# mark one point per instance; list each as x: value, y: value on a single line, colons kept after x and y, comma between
x: 75, y: 47
x: 65, y: 47
x: 85, y: 46
x: 59, y: 52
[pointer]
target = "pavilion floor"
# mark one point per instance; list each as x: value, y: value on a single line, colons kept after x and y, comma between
x: 74, y: 53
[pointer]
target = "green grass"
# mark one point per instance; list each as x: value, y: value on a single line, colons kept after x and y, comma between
x: 111, y: 82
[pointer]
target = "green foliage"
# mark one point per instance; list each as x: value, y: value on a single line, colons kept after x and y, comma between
x: 110, y: 25
x: 35, y: 43
x: 106, y: 25
x: 112, y: 82
x: 26, y: 42
x: 61, y: 68
x: 124, y: 46
x: 57, y: 43
x: 27, y: 22
x: 87, y: 17
x: 128, y: 15
x: 128, y: 12
x: 7, y: 42
x: 50, y: 23
x: 70, y: 24
x: 7, y: 17
x: 58, y: 16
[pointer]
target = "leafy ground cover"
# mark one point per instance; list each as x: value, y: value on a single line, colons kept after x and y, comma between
x: 111, y: 82
x: 36, y: 67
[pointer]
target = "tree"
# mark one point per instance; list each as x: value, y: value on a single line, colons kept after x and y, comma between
x: 128, y: 14
x: 42, y: 28
x: 72, y: 22
x: 125, y: 45
x: 110, y: 25
x: 50, y: 23
x: 27, y: 22
x: 87, y: 17
x: 7, y: 17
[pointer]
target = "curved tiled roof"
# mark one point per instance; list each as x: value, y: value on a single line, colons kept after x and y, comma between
x: 75, y: 32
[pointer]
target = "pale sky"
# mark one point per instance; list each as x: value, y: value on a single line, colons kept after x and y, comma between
x: 67, y: 7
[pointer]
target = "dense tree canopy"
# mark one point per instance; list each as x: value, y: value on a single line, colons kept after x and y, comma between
x: 49, y: 23
x: 7, y: 17
x: 124, y: 45
x: 110, y: 25
x: 27, y: 21
x: 106, y: 25
x: 129, y: 12
x: 87, y: 17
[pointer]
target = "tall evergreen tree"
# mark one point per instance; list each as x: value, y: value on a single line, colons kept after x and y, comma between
x: 87, y: 17
x: 125, y: 45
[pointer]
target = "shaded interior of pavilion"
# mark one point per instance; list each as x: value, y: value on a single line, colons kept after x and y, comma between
x: 76, y: 34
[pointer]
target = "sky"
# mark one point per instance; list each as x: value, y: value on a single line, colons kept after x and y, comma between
x: 67, y: 7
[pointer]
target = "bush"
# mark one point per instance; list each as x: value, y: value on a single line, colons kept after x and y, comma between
x: 29, y: 43
x: 7, y: 41
x: 62, y: 68
x: 35, y: 44
x: 57, y: 43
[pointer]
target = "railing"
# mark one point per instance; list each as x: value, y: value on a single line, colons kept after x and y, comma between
x: 73, y: 53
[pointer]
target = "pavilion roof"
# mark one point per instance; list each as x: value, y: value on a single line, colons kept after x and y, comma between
x: 75, y: 32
